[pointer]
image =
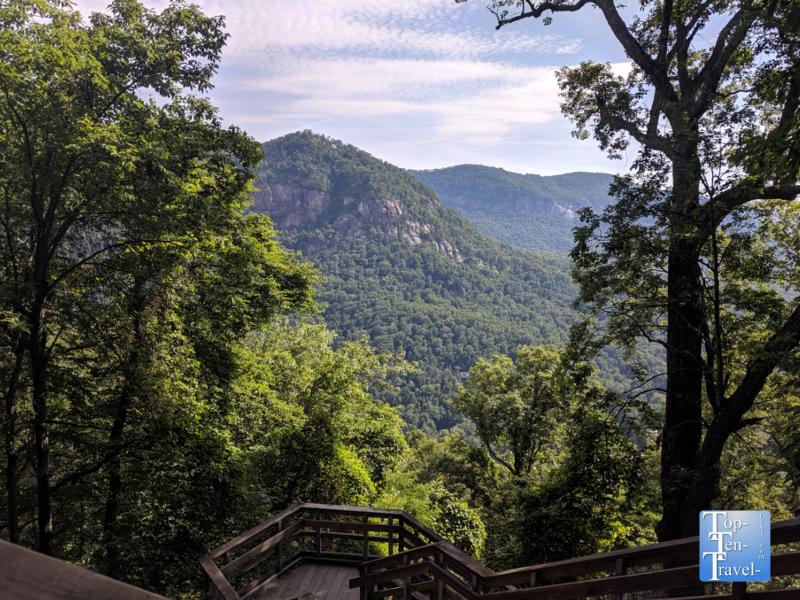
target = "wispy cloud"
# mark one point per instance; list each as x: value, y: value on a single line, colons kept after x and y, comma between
x: 428, y: 76
x: 472, y: 102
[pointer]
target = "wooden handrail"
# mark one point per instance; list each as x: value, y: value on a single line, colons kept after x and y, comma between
x: 242, y: 555
x: 446, y: 572
x: 444, y: 558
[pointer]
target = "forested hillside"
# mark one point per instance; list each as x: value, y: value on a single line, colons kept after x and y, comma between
x: 530, y: 212
x: 408, y: 272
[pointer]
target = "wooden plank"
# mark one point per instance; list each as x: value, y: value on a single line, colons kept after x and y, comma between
x: 310, y: 556
x: 327, y: 579
x: 251, y: 533
x: 786, y: 563
x: 312, y: 580
x: 418, y: 541
x: 407, y: 571
x: 218, y: 579
x: 365, y: 548
x: 784, y: 532
x: 28, y: 574
x: 638, y: 582
x: 336, y: 509
x: 392, y: 591
x: 318, y: 538
x: 340, y: 582
x: 586, y: 565
x: 293, y: 583
x: 419, y: 586
x: 341, y: 526
x: 249, y: 587
x: 257, y: 554
x: 464, y: 563
x: 343, y: 536
x: 452, y: 581
x: 279, y: 549
x: 710, y: 597
x: 432, y: 535
x: 781, y: 532
x: 345, y: 593
x: 792, y: 594
x: 385, y: 562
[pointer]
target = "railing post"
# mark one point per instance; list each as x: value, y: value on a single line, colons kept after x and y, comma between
x: 620, y: 568
x: 366, y: 538
x: 391, y: 536
x: 739, y: 590
x: 279, y: 548
x: 362, y: 591
x: 319, y: 535
x: 406, y: 589
x: 442, y: 591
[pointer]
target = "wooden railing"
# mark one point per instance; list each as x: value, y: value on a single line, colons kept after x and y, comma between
x: 438, y: 571
x: 345, y: 534
x: 422, y: 565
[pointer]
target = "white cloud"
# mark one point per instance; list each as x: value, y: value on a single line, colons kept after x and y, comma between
x: 472, y: 102
x: 418, y: 78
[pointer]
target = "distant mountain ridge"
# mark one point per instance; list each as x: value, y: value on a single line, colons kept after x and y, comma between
x: 530, y: 212
x: 408, y: 272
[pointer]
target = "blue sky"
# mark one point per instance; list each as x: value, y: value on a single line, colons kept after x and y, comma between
x: 420, y: 83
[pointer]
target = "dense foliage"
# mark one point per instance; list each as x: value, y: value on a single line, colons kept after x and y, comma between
x: 529, y: 212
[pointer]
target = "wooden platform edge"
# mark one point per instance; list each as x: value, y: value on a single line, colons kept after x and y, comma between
x: 28, y: 574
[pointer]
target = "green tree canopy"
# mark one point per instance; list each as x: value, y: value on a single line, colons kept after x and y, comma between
x: 519, y: 408
x: 712, y: 101
x: 124, y: 248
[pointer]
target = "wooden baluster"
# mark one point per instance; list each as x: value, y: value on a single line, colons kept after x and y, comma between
x: 442, y: 585
x: 362, y: 592
x: 279, y: 548
x: 476, y: 583
x: 739, y: 590
x: 366, y: 538
x: 620, y: 568
x: 319, y: 536
x: 406, y: 583
x: 535, y: 579
x: 391, y: 537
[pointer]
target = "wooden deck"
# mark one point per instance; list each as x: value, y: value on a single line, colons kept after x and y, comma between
x: 326, y: 581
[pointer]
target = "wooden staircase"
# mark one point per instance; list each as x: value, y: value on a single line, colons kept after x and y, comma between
x: 422, y: 565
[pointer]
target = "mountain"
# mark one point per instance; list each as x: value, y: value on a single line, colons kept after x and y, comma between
x: 409, y: 272
x: 529, y: 212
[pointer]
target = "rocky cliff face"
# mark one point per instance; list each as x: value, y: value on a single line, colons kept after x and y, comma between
x: 290, y: 206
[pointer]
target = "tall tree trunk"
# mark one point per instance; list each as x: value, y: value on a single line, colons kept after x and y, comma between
x: 131, y: 388
x: 12, y: 459
x: 682, y: 433
x: 37, y: 350
x: 38, y: 356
